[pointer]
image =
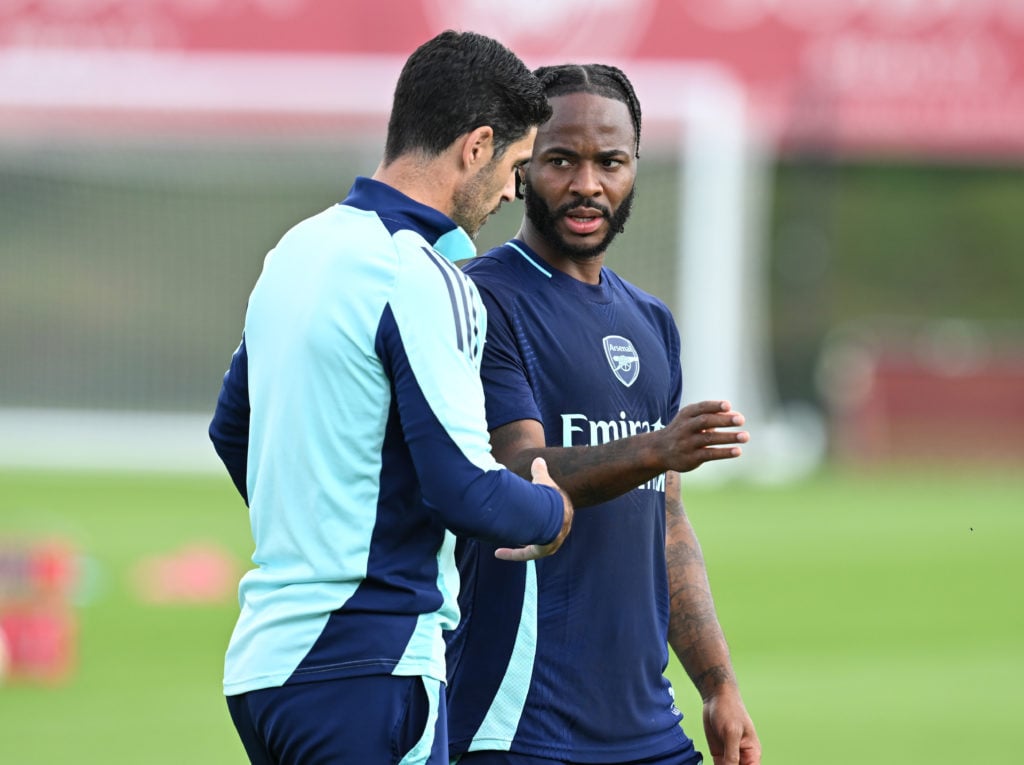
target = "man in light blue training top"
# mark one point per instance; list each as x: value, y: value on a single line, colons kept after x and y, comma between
x: 561, y: 661
x: 352, y: 420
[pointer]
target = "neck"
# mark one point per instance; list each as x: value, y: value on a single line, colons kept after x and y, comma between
x: 427, y: 180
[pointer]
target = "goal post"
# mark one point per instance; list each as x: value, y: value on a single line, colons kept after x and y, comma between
x: 722, y: 284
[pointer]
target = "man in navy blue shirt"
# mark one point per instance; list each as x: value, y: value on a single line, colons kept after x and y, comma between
x: 562, y: 660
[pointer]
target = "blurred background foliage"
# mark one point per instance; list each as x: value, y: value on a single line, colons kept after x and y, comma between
x: 127, y: 267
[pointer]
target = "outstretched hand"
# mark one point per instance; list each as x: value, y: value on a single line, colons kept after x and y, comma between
x: 695, y: 435
x: 539, y: 471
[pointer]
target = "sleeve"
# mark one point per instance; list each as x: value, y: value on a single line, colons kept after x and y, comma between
x: 507, y: 391
x: 229, y: 429
x: 430, y: 339
x: 673, y: 343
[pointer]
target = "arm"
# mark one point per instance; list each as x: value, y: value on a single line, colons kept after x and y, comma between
x: 594, y: 474
x: 429, y: 340
x: 540, y: 475
x: 229, y: 429
x: 697, y: 640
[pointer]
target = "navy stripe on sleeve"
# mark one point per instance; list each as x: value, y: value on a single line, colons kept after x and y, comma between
x: 453, y: 282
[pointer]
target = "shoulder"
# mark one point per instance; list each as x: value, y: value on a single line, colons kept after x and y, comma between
x: 341, y: 222
x: 653, y: 309
x: 496, y: 271
x: 638, y: 295
x: 425, y: 278
x: 493, y: 264
x: 339, y: 240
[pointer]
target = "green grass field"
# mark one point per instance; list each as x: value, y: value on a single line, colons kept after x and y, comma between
x: 873, y: 618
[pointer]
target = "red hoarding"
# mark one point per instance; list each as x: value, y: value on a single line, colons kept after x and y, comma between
x: 920, y: 76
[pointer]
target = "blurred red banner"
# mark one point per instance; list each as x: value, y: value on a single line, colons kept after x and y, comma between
x: 917, y: 76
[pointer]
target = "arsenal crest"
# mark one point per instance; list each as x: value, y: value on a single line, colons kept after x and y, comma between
x: 622, y: 358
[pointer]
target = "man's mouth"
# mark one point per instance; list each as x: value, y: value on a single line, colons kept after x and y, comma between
x: 583, y: 223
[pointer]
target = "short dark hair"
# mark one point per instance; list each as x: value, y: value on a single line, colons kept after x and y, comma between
x: 599, y: 79
x: 455, y: 83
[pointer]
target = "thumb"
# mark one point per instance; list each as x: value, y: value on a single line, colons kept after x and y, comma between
x: 539, y: 472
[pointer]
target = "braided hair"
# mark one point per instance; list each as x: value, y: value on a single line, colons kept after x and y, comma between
x: 598, y: 79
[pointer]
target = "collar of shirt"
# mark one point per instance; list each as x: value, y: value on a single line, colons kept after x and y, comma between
x: 399, y: 212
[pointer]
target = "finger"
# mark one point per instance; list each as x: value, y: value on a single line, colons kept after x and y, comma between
x: 736, y: 418
x: 714, y: 453
x: 723, y: 437
x: 750, y: 750
x: 712, y: 421
x: 539, y: 472
x: 519, y: 554
x: 706, y: 407
x: 731, y: 745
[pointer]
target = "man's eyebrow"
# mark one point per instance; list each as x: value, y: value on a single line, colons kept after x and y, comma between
x: 561, y: 150
x: 613, y: 154
x: 607, y: 154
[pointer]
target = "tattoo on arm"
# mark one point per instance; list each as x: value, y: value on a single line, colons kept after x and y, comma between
x: 694, y: 632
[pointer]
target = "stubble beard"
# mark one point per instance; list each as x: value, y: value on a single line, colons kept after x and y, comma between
x: 466, y: 209
x: 545, y: 220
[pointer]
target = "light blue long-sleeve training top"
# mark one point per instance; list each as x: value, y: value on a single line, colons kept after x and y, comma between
x: 352, y: 418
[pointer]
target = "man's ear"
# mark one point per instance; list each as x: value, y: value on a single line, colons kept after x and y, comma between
x: 520, y: 173
x: 477, y: 147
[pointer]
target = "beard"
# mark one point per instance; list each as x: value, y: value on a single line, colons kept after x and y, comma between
x: 544, y: 220
x: 469, y: 204
x: 466, y: 209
